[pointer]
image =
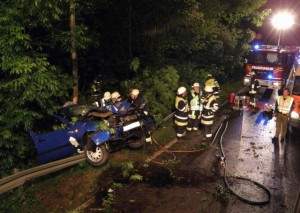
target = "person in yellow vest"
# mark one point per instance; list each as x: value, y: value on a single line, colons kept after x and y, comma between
x: 212, y: 82
x: 210, y: 106
x: 181, y: 113
x: 195, y: 107
x: 283, y: 108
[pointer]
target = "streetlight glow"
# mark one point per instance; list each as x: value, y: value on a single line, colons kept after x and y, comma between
x: 282, y: 21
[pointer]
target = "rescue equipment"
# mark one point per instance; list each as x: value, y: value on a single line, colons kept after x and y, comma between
x: 231, y: 98
x: 239, y: 102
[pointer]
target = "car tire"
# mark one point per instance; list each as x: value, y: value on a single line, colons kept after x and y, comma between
x: 98, y: 156
x: 137, y: 143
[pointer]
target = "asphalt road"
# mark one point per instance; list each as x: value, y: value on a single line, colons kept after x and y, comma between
x: 251, y: 153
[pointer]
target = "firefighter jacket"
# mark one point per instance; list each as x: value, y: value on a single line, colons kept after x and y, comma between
x: 195, y: 101
x: 210, y: 106
x: 210, y: 81
x: 254, y: 86
x: 284, y: 105
x: 181, y: 113
x: 141, y: 104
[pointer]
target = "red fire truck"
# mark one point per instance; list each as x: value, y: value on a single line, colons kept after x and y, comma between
x: 293, y: 83
x: 270, y: 65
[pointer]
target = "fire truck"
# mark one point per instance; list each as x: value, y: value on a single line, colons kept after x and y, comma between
x: 293, y: 84
x: 270, y: 65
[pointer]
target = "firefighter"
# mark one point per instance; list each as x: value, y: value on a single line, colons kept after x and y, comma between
x: 181, y: 113
x: 254, y: 86
x: 212, y: 82
x: 195, y: 107
x: 210, y: 106
x: 283, y: 108
x: 106, y: 100
x: 138, y: 101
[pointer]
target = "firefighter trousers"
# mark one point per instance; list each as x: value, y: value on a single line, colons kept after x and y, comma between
x: 208, y: 133
x: 281, y: 124
x: 194, y: 120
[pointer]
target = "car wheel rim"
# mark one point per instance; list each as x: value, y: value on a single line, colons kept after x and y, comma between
x: 95, y: 156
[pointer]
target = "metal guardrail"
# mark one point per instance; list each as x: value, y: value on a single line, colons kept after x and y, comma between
x: 20, y: 178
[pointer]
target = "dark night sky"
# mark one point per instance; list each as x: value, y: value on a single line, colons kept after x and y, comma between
x: 288, y: 37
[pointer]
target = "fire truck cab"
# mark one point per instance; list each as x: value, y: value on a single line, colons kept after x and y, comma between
x: 270, y: 65
x: 293, y: 83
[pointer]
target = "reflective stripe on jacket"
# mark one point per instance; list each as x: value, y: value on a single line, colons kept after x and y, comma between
x: 181, y: 113
x: 284, y: 106
x: 210, y: 106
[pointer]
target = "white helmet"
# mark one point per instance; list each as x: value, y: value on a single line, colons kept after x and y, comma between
x: 115, y: 95
x: 107, y: 96
x: 181, y: 90
x: 208, y: 89
x: 209, y: 75
x: 135, y: 92
x: 196, y: 85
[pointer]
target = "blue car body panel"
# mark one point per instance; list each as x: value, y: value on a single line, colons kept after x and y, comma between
x: 55, y: 145
x: 100, y: 137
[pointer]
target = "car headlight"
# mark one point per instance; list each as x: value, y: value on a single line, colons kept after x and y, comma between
x: 276, y: 84
x: 294, y: 115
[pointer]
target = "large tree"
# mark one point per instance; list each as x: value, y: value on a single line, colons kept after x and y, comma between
x: 29, y: 85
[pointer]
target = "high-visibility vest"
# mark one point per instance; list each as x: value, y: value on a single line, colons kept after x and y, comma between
x: 181, y: 113
x: 195, y: 102
x: 210, y: 106
x: 284, y: 106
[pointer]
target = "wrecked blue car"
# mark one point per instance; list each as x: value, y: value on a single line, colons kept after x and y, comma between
x: 94, y: 131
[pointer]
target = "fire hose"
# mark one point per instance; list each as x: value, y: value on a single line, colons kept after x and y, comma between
x: 222, y: 160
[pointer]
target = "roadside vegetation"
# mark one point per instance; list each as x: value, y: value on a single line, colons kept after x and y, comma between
x: 73, y: 189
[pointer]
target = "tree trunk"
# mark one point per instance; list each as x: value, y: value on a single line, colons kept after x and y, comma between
x: 130, y: 31
x: 74, y: 52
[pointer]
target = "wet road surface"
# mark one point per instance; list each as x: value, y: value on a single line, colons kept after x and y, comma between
x: 251, y: 153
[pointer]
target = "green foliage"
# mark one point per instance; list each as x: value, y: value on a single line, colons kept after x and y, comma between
x: 223, y: 195
x: 127, y: 168
x: 108, y: 201
x: 29, y: 85
x: 136, y: 177
x: 158, y: 87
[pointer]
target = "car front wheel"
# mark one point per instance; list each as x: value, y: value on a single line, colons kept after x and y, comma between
x: 98, y: 156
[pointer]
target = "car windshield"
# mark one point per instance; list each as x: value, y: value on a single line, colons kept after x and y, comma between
x: 265, y: 58
x: 75, y: 110
x: 296, y: 87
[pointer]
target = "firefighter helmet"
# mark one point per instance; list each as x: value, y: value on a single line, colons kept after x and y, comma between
x: 135, y: 92
x: 196, y: 85
x: 181, y: 90
x: 107, y: 96
x: 209, y: 75
x: 208, y: 89
x: 115, y: 95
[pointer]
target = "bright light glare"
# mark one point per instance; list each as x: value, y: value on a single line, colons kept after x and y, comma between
x: 283, y: 21
x: 294, y: 115
x: 256, y: 46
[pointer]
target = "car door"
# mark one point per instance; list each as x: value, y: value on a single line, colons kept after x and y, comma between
x: 51, y: 138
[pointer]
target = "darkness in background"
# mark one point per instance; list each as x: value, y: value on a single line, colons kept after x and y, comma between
x: 269, y: 34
